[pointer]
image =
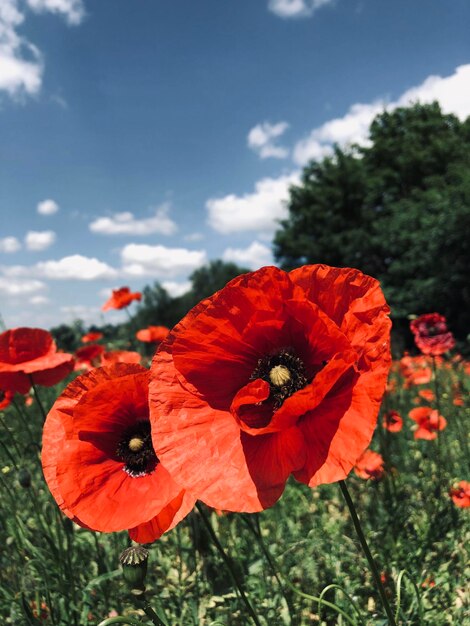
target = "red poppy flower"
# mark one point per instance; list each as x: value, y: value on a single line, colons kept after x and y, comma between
x: 392, y: 421
x: 88, y: 356
x: 429, y: 422
x: 431, y: 334
x: 460, y: 494
x: 427, y: 394
x: 370, y: 465
x: 98, y: 458
x: 93, y: 336
x: 5, y: 398
x: 276, y: 374
x: 121, y: 298
x: 120, y: 356
x: 153, y: 334
x: 30, y: 355
x: 28, y: 400
x: 416, y: 370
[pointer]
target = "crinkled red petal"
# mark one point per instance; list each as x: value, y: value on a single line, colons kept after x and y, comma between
x: 168, y: 518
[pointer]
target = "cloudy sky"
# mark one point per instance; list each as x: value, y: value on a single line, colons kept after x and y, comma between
x: 141, y: 138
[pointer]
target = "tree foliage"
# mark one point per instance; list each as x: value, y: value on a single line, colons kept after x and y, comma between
x: 398, y: 209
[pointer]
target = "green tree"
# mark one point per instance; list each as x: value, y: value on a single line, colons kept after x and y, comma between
x: 396, y: 209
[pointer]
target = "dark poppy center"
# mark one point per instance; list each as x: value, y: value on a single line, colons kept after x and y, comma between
x: 2, y: 395
x: 136, y: 451
x: 284, y: 372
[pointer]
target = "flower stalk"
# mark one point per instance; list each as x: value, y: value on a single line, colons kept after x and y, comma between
x: 226, y: 560
x: 367, y: 552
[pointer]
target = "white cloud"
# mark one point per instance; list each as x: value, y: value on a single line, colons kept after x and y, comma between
x: 262, y: 138
x: 9, y: 245
x: 194, y: 237
x: 15, y: 287
x: 127, y: 224
x: 47, y: 207
x: 452, y: 92
x: 176, y: 289
x: 21, y: 62
x: 75, y: 267
x: 39, y: 240
x: 258, y: 211
x: 160, y: 261
x: 256, y: 255
x: 72, y: 10
x: 38, y: 300
x: 296, y: 8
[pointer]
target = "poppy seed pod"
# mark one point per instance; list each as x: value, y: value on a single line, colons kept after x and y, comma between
x: 134, y: 567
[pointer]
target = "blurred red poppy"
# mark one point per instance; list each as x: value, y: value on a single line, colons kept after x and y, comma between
x: 276, y: 374
x: 370, y: 465
x: 416, y: 370
x: 429, y: 422
x: 392, y: 421
x: 460, y: 494
x: 5, y: 398
x: 88, y: 356
x: 153, y: 334
x: 431, y: 334
x: 29, y: 355
x: 98, y: 458
x: 92, y: 336
x: 120, y: 356
x: 121, y: 298
x: 427, y: 394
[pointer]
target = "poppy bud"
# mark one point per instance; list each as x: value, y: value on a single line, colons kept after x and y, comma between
x: 24, y: 478
x: 134, y: 567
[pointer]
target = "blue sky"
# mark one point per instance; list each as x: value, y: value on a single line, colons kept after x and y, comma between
x: 141, y: 138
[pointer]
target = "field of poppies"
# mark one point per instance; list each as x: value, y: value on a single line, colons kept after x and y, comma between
x: 272, y: 464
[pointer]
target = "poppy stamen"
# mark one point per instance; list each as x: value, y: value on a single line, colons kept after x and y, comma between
x: 136, y: 444
x: 279, y: 375
x: 284, y: 372
x: 136, y: 451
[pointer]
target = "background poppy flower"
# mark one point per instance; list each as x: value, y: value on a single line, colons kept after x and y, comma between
x: 416, y: 370
x: 98, y: 459
x: 153, y: 334
x: 121, y: 298
x: 88, y: 356
x: 370, y: 465
x: 276, y: 374
x: 429, y: 422
x: 5, y: 398
x: 392, y: 421
x: 427, y: 394
x: 120, y: 356
x: 92, y: 336
x: 431, y: 335
x: 30, y: 354
x: 460, y: 494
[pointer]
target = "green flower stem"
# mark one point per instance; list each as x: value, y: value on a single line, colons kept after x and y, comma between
x: 259, y: 538
x: 367, y: 552
x: 148, y: 610
x: 24, y: 419
x: 12, y: 440
x: 38, y: 399
x: 226, y: 560
x: 322, y: 601
x: 438, y: 435
x: 130, y: 621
